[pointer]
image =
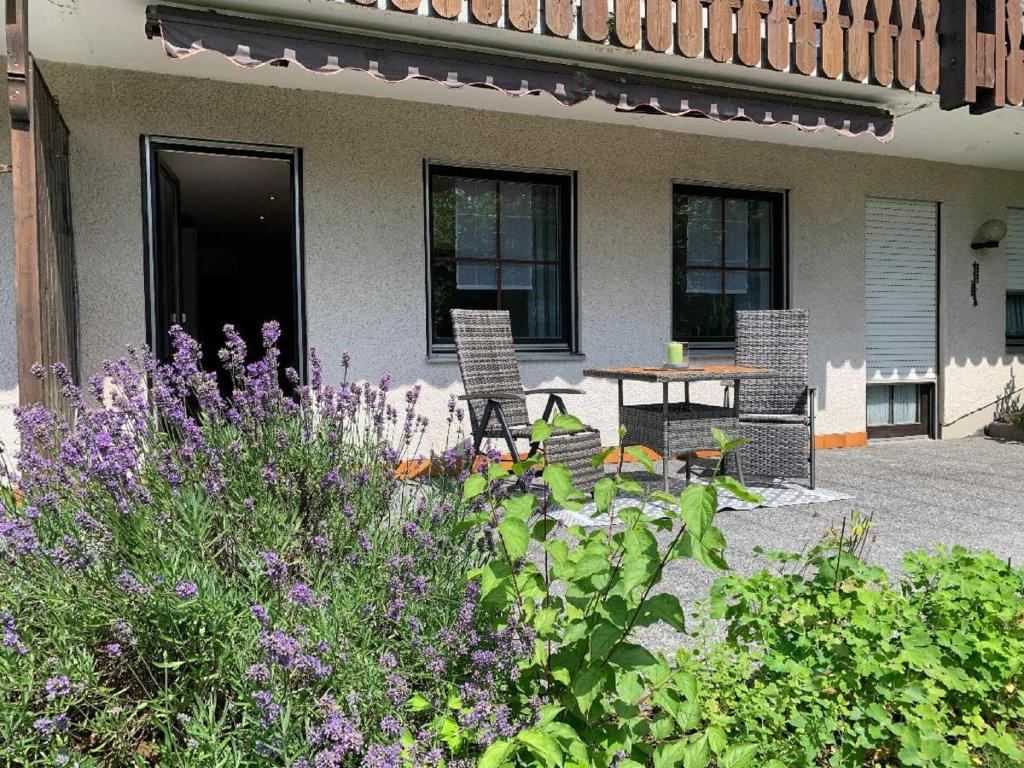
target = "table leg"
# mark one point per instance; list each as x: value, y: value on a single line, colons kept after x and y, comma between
x: 665, y: 448
x: 736, y: 409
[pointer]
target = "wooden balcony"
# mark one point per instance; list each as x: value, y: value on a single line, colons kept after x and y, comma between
x: 887, y: 43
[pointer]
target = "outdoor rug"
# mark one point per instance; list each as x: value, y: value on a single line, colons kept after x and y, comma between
x: 775, y: 495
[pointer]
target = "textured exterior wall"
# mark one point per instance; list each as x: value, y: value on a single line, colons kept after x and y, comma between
x: 363, y: 197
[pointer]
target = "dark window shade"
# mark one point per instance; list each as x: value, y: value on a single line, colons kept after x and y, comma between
x: 727, y: 255
x: 501, y: 240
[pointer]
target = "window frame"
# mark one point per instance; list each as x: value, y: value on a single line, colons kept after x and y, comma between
x: 779, y: 259
x: 1014, y: 343
x: 565, y: 180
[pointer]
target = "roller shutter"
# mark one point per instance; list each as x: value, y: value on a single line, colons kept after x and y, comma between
x: 902, y: 274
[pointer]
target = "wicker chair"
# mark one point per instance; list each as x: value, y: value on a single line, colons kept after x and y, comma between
x: 497, y: 399
x: 776, y: 415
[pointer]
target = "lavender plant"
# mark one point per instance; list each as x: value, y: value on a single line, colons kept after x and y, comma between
x: 194, y: 578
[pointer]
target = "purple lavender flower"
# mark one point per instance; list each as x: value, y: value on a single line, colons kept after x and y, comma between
x: 11, y: 639
x: 277, y: 569
x: 129, y: 584
x: 390, y: 726
x: 301, y: 594
x: 260, y: 613
x: 186, y: 590
x: 267, y: 706
x: 57, y: 687
x: 113, y: 650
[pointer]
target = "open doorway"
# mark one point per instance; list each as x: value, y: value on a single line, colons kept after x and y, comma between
x: 224, y: 245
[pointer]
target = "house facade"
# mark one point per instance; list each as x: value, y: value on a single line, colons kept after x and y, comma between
x: 621, y: 177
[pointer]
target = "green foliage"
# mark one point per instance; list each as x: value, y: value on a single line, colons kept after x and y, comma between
x: 592, y: 695
x: 834, y: 665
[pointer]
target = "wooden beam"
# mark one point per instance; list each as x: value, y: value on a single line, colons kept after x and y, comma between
x: 26, y: 224
x: 958, y: 25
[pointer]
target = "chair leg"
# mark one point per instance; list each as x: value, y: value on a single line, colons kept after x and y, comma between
x: 810, y: 421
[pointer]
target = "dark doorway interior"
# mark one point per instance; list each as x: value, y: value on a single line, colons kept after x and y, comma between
x: 224, y: 248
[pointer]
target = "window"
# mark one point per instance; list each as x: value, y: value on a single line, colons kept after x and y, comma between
x: 727, y: 254
x: 502, y: 240
x: 899, y: 410
x: 1015, y: 277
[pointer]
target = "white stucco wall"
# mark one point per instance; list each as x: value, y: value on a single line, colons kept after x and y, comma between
x: 363, y: 197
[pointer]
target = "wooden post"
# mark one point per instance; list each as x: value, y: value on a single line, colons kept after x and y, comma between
x: 958, y: 24
x: 26, y: 225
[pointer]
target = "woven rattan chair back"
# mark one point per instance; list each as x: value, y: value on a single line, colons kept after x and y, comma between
x: 487, y: 360
x: 775, y: 339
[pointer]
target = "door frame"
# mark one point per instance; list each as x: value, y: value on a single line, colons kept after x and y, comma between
x: 149, y: 146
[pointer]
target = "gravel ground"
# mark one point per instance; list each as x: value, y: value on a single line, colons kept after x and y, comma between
x: 921, y: 493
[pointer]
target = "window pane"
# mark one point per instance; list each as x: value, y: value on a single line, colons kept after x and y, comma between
x: 476, y: 232
x: 1015, y: 315
x: 878, y: 406
x: 703, y: 281
x: 536, y: 313
x: 748, y: 233
x: 702, y: 245
x: 445, y: 297
x: 905, y: 404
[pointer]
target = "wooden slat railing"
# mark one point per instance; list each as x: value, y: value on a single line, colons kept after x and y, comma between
x: 981, y: 54
x: 884, y: 42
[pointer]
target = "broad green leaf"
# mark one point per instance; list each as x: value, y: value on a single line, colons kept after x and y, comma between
x: 558, y: 550
x: 475, y: 485
x: 603, y: 637
x: 496, y: 472
x: 640, y: 455
x: 662, y: 607
x: 738, y: 756
x: 568, y: 422
x: 716, y: 738
x: 542, y: 745
x: 721, y: 439
x: 631, y: 656
x: 600, y: 458
x: 627, y: 486
x: 519, y: 506
x: 699, y: 505
x: 548, y: 713
x: 669, y: 755
x: 559, y: 480
x: 588, y: 684
x: 590, y: 565
x: 697, y: 753
x: 604, y: 494
x: 737, y: 489
x: 494, y: 756
x: 541, y: 431
x: 666, y: 499
x: 417, y: 704
x: 515, y: 535
x: 542, y: 528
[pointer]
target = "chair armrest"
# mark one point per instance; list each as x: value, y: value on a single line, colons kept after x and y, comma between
x: 497, y: 396
x: 555, y: 391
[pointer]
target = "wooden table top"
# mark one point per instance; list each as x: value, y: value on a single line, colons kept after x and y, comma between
x: 696, y: 372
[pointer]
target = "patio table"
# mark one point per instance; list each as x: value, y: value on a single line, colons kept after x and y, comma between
x: 672, y: 428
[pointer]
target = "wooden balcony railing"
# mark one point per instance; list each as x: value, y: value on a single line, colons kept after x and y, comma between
x: 885, y: 42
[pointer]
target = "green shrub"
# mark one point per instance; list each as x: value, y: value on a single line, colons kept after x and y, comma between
x: 189, y: 579
x: 590, y: 694
x: 831, y: 664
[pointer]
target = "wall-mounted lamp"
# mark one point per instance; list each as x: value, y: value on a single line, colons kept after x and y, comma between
x: 989, y: 235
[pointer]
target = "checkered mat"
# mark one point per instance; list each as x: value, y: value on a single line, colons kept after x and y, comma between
x: 775, y: 495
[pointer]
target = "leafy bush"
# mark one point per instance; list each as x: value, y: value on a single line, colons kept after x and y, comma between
x: 590, y: 694
x: 834, y: 665
x: 193, y: 579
